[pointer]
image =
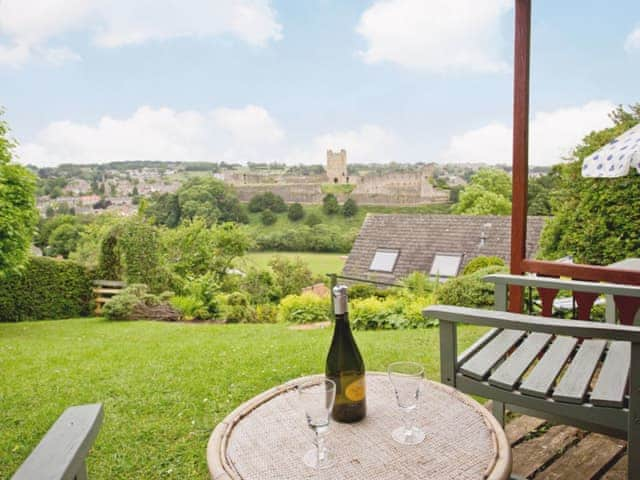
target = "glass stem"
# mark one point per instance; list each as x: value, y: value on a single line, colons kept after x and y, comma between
x: 320, y: 447
x: 409, y: 418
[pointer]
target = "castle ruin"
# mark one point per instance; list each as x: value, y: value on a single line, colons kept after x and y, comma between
x: 394, y: 188
x: 337, y: 167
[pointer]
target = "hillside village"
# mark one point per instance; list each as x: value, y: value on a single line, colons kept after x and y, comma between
x: 118, y: 187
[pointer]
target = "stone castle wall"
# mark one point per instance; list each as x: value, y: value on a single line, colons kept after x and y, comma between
x: 337, y: 167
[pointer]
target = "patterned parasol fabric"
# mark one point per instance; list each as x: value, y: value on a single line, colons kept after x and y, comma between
x: 616, y: 158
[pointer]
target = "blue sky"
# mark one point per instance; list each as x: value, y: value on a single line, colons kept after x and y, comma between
x: 253, y: 80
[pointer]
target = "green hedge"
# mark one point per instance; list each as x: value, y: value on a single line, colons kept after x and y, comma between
x: 45, y: 289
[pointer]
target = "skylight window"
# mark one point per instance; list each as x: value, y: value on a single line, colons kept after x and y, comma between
x: 445, y: 265
x: 384, y: 260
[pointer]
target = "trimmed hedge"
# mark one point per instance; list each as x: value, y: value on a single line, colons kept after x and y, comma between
x: 45, y: 289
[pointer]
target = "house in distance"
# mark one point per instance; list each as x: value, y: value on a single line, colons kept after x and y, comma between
x: 391, y: 246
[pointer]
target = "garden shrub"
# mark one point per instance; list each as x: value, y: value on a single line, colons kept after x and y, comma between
x: 305, y: 308
x: 190, y: 306
x: 45, y: 289
x: 267, y: 217
x: 267, y: 201
x: 235, y: 308
x: 313, y: 219
x: 419, y: 283
x: 468, y: 290
x: 136, y: 303
x: 260, y: 285
x: 290, y: 276
x: 366, y: 290
x: 482, y: 262
x: 295, y: 212
x: 303, y: 238
x: 394, y: 312
x: 350, y: 207
x: 266, y: 313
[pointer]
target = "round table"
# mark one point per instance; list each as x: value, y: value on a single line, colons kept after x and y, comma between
x: 266, y: 437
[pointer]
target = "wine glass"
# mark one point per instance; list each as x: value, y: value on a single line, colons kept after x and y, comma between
x: 317, y: 398
x: 406, y: 379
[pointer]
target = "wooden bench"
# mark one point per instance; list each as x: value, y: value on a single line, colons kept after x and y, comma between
x: 61, y: 454
x: 574, y: 372
x: 104, y: 290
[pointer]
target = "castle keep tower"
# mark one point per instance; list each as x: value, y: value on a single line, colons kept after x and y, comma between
x: 337, y: 167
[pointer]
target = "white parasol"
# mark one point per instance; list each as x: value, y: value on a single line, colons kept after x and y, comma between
x: 616, y: 158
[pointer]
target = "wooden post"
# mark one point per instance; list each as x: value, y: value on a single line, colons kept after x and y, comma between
x: 520, y: 162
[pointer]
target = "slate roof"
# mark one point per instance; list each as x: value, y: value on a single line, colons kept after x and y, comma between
x: 420, y: 237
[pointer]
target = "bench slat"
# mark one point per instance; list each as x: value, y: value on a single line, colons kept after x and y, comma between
x: 507, y: 375
x: 113, y: 291
x: 612, y: 381
x: 109, y: 283
x: 539, y: 382
x: 573, y: 386
x: 481, y: 363
x: 61, y: 453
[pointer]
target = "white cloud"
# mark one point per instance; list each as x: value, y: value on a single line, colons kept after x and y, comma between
x: 31, y: 24
x: 553, y: 135
x: 240, y: 135
x: 438, y: 35
x: 633, y: 41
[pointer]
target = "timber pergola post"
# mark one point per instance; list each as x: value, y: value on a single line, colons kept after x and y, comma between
x: 520, y: 177
x: 520, y: 161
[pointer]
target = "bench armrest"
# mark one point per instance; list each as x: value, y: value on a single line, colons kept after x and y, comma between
x: 517, y: 321
x: 61, y: 454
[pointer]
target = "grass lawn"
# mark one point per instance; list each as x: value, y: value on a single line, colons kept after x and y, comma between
x: 319, y: 263
x: 164, y: 386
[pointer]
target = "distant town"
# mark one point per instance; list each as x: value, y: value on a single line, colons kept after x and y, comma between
x: 118, y: 187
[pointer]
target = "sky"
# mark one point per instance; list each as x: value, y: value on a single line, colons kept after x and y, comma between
x: 90, y: 81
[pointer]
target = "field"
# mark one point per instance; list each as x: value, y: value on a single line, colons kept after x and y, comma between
x: 164, y: 386
x: 319, y: 263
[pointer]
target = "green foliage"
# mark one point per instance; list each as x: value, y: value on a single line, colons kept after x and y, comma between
x: 139, y: 248
x: 419, y: 283
x: 313, y: 219
x: 295, y: 212
x: 481, y: 262
x: 267, y: 201
x: 194, y: 249
x: 191, y: 307
x: 266, y: 313
x: 267, y: 217
x: 540, y: 191
x: 120, y: 307
x: 64, y: 239
x: 468, y: 290
x: 330, y: 204
x: 596, y: 220
x: 260, y: 285
x: 488, y: 193
x: 474, y: 200
x: 49, y: 224
x: 18, y: 216
x: 203, y: 197
x: 394, y: 312
x: 350, y: 207
x: 290, y: 276
x: 336, y: 188
x: 46, y: 288
x: 88, y: 250
x: 305, y: 308
x: 235, y: 308
x: 319, y: 238
x: 366, y: 290
x: 109, y: 267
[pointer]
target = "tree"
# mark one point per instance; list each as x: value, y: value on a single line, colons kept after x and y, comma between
x: 267, y: 201
x: 476, y: 201
x: 290, y: 276
x: 267, y: 217
x: 488, y: 193
x: 296, y: 212
x: 48, y: 225
x: 596, y: 220
x: 164, y: 210
x: 350, y: 207
x: 64, y: 239
x: 210, y: 199
x: 135, y: 192
x: 18, y: 213
x: 195, y: 249
x: 330, y: 204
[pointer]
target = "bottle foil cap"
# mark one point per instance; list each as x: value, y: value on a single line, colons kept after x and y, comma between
x: 340, y: 299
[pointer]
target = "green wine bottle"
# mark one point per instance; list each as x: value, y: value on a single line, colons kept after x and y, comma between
x: 345, y: 365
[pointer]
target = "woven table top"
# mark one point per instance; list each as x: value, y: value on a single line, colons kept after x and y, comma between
x: 266, y: 437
